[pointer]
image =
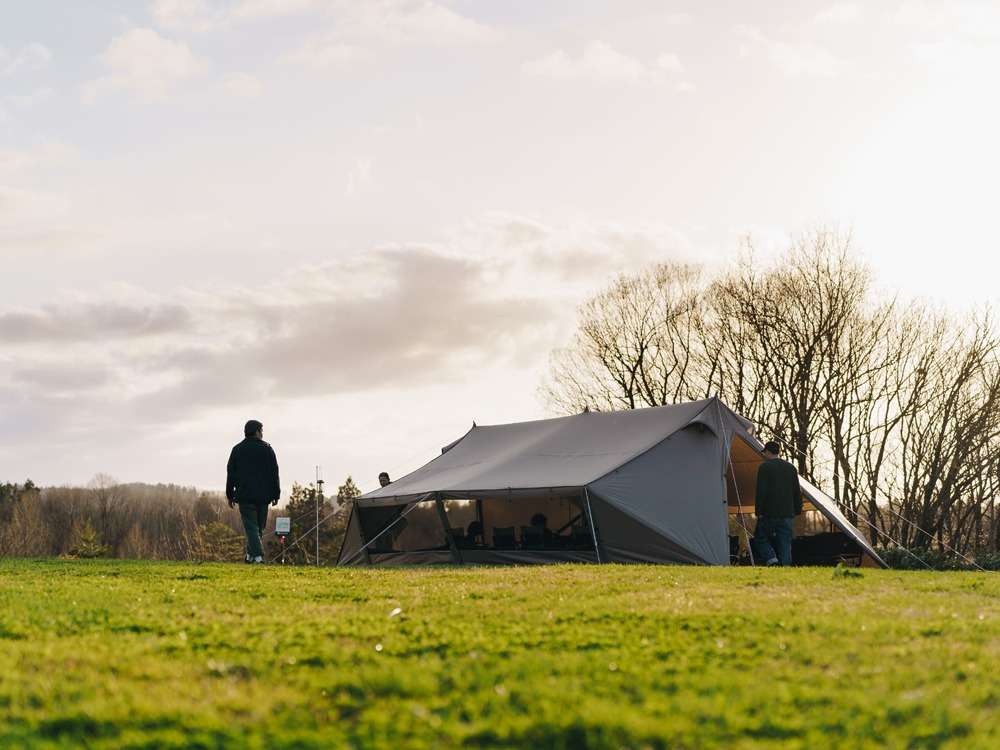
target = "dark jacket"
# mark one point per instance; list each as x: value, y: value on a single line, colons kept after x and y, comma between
x: 252, y: 473
x: 778, y: 491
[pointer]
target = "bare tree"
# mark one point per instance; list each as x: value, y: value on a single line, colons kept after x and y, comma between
x: 892, y: 406
x: 635, y: 344
x: 949, y: 445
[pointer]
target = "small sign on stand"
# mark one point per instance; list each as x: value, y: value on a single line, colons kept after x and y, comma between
x: 282, y: 528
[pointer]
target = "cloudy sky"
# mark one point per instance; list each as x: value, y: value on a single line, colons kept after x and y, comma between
x: 367, y: 223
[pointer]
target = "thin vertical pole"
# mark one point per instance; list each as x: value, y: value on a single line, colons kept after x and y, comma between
x: 590, y: 520
x: 739, y: 509
x: 318, y: 498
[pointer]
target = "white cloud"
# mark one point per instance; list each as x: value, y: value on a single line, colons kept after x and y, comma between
x: 348, y: 31
x: 32, y: 99
x: 839, y: 13
x: 242, y: 86
x: 178, y: 356
x: 602, y: 63
x: 670, y: 63
x: 360, y: 176
x: 675, y: 18
x: 418, y: 22
x: 27, y: 207
x: 328, y: 52
x: 186, y: 15
x: 960, y: 62
x: 792, y: 58
x: 599, y: 62
x: 259, y: 9
x: 146, y: 65
x: 358, y: 31
x: 16, y: 162
x: 978, y: 20
x: 403, y: 316
x: 958, y: 40
x: 30, y: 57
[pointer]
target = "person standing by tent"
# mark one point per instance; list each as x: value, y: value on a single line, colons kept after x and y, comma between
x: 778, y: 501
x: 383, y: 479
x: 252, y: 482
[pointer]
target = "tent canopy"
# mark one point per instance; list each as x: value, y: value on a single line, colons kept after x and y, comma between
x: 568, y: 451
x: 651, y: 484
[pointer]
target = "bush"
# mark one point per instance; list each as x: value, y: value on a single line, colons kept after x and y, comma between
x: 922, y: 559
x: 87, y: 542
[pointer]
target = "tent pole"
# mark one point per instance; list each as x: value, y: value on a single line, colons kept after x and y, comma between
x: 739, y: 510
x: 590, y: 520
x: 439, y: 504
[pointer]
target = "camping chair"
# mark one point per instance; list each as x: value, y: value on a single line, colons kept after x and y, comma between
x: 503, y: 537
x: 532, y: 537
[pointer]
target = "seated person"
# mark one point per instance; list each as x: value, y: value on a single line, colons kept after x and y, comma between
x: 474, y: 533
x: 540, y: 522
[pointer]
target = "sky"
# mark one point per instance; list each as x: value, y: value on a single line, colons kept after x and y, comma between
x: 368, y: 223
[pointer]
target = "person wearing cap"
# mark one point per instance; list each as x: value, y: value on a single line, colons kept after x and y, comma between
x: 252, y: 483
x: 778, y: 501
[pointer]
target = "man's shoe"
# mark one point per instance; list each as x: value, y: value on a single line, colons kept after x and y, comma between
x: 258, y: 559
x: 772, y: 562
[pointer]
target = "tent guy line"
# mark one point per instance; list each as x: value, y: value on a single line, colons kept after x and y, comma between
x: 901, y: 517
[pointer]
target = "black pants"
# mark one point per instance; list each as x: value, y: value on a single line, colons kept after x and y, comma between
x: 254, y: 517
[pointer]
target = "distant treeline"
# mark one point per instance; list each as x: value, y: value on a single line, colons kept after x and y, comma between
x: 157, y: 522
x: 893, y: 407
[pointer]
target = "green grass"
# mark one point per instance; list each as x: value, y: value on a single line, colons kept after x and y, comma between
x: 106, y: 654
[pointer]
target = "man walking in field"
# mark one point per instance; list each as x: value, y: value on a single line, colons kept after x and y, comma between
x: 252, y: 482
x: 778, y: 501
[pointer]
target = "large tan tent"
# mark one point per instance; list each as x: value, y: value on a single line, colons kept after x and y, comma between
x: 670, y: 484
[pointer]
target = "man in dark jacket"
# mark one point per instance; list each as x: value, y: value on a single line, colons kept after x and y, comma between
x: 778, y: 501
x: 252, y: 481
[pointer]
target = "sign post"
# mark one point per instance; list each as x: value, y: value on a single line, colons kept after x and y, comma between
x: 282, y: 528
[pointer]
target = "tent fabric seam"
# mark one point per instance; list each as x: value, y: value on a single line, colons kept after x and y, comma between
x: 655, y: 445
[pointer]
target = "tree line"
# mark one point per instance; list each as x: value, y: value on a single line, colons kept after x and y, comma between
x: 160, y: 522
x: 890, y: 405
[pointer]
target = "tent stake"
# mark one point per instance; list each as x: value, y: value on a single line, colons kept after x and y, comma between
x: 590, y: 520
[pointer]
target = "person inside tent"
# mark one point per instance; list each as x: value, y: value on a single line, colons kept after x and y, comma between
x: 475, y: 534
x: 383, y: 479
x: 540, y: 523
x: 778, y: 501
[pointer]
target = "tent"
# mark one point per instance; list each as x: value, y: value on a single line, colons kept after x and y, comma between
x: 668, y: 484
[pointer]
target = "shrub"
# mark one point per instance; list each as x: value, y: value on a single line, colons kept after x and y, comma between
x: 216, y: 542
x: 87, y: 542
x: 899, y: 558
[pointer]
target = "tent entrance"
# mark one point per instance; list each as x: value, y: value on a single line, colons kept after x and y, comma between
x: 817, y: 540
x: 482, y: 529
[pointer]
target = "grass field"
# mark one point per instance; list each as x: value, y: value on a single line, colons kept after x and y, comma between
x: 108, y: 654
